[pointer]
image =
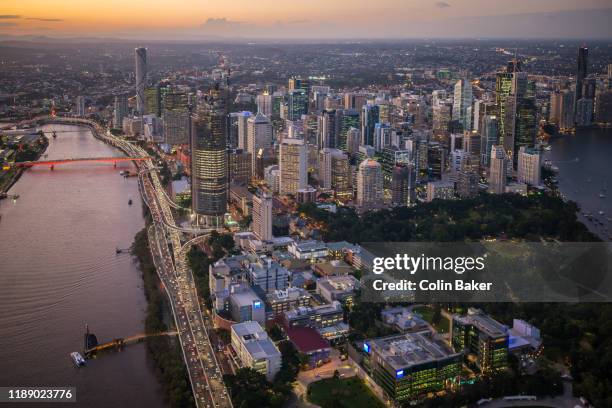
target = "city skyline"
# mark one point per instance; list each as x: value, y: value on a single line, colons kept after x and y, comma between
x: 190, y: 21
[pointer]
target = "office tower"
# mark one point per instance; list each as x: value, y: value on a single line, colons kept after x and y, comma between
x: 297, y: 104
x: 262, y: 216
x: 140, y: 55
x: 462, y: 102
x: 299, y: 83
x: 382, y: 136
x: 369, y: 184
x: 403, y: 182
x: 497, y: 170
x: 328, y: 129
x: 176, y: 126
x: 603, y: 106
x: 334, y: 172
x: 209, y: 160
x: 242, y: 137
x: 264, y: 104
x: 528, y: 170
x: 240, y: 164
x: 152, y: 101
x: 584, y: 112
x: 467, y: 183
x: 489, y: 137
x: 581, y: 73
x: 436, y: 160
x: 120, y: 110
x: 370, y: 116
x: 525, y: 124
x: 292, y: 166
x: 348, y: 119
x: 389, y: 157
x: 353, y: 138
x: 80, y: 106
x: 471, y: 145
x: 503, y: 90
x: 441, y: 116
x: 566, y: 121
x: 259, y: 136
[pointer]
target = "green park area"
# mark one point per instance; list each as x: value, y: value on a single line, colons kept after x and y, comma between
x: 342, y: 392
x: 433, y: 317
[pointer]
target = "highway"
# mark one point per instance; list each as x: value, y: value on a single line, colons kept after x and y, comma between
x: 170, y: 258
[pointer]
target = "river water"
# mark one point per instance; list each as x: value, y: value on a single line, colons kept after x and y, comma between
x: 585, y: 169
x: 59, y: 270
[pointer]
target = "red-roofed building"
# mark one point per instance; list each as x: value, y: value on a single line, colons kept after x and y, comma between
x: 308, y: 341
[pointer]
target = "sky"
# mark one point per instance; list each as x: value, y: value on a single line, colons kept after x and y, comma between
x: 312, y: 19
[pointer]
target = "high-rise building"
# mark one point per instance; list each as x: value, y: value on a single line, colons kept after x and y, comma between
x: 152, y: 99
x: 334, y: 172
x: 264, y: 104
x: 436, y: 160
x: 382, y: 136
x: 440, y: 190
x: 292, y: 166
x: 581, y: 74
x: 467, y: 183
x: 259, y: 136
x: 528, y: 170
x: 462, y: 103
x: 240, y: 166
x: 403, y: 183
x: 140, y: 55
x: 566, y: 121
x: 176, y: 126
x: 297, y: 104
x: 603, y: 106
x: 120, y: 110
x: 80, y: 106
x: 369, y: 184
x: 497, y: 170
x: 353, y: 138
x: 328, y: 129
x: 209, y: 160
x: 239, y: 125
x: 489, y: 137
x: 584, y: 112
x: 262, y: 216
x: 441, y: 116
x: 370, y: 116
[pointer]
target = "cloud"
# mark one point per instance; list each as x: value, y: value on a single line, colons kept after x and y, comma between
x: 442, y: 4
x: 51, y: 20
x: 220, y: 23
x: 9, y: 16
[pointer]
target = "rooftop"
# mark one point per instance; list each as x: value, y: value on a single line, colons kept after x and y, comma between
x: 409, y: 349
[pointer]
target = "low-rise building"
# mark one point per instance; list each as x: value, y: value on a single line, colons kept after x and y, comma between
x: 255, y: 349
x: 403, y: 320
x: 310, y: 249
x: 411, y: 365
x: 245, y: 305
x: 281, y: 301
x: 338, y: 288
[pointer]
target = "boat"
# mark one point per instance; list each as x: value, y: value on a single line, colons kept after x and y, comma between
x: 130, y: 201
x: 122, y: 173
x: 54, y: 134
x: 601, y: 213
x: 78, y: 359
x: 548, y: 148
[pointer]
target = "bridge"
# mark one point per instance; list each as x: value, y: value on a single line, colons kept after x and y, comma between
x: 119, y: 343
x: 53, y: 163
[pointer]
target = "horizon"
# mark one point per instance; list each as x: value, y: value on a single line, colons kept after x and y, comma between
x: 390, y: 20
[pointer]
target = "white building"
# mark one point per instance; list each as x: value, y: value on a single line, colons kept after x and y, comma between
x: 255, y: 349
x: 528, y: 170
x: 292, y: 166
x: 262, y: 216
x: 369, y: 184
x: 498, y: 165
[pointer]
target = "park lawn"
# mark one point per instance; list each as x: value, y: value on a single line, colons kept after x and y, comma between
x: 342, y: 393
x: 426, y: 313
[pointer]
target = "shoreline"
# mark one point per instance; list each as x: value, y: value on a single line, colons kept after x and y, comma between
x: 17, y: 175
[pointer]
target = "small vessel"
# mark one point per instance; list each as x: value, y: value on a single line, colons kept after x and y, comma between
x: 601, y: 213
x: 130, y: 201
x: 78, y: 359
x: 122, y: 173
x: 548, y: 148
x: 54, y: 134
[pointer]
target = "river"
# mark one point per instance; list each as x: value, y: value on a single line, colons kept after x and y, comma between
x: 59, y: 271
x: 585, y: 169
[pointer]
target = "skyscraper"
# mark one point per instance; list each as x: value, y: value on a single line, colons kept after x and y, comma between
x: 370, y: 116
x: 262, y: 216
x: 528, y: 170
x: 140, y: 55
x: 489, y: 137
x: 581, y: 73
x: 297, y: 104
x: 80, y: 106
x: 264, y: 104
x: 403, y: 182
x: 292, y: 166
x: 259, y: 136
x: 462, y: 103
x: 369, y: 184
x: 209, y: 160
x: 497, y: 170
x: 120, y: 110
x: 334, y: 172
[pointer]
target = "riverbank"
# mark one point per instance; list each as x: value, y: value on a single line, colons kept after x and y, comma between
x: 11, y: 176
x: 165, y: 352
